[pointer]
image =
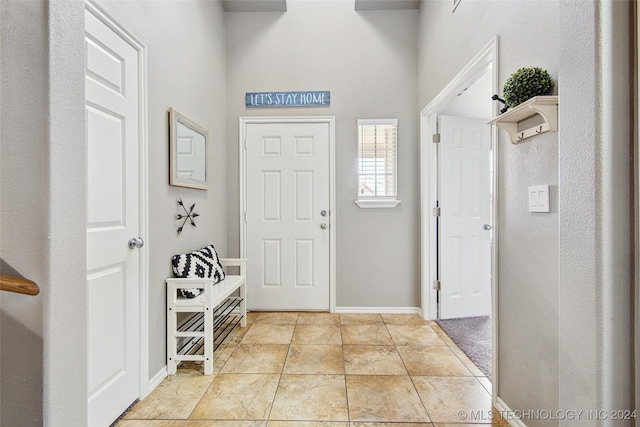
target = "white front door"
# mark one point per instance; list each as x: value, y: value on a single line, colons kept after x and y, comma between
x: 287, y: 216
x: 464, y: 199
x: 112, y: 107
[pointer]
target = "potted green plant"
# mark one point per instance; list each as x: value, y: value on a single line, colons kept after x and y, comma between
x: 526, y: 83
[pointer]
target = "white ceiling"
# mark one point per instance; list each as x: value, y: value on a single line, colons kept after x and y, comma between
x: 281, y: 5
x: 255, y: 5
x: 475, y: 101
x: 386, y: 4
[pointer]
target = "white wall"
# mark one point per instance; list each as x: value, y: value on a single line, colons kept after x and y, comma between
x: 368, y: 60
x: 187, y: 71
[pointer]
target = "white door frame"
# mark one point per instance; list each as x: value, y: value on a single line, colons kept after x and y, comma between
x: 487, y: 56
x: 330, y: 120
x: 144, y: 386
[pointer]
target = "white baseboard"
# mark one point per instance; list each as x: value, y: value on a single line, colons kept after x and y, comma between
x: 380, y: 310
x: 505, y: 410
x: 155, y: 381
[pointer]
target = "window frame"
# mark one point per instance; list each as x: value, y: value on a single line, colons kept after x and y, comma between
x: 375, y: 201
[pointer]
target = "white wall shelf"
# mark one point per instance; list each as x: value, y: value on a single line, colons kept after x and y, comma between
x: 532, y: 117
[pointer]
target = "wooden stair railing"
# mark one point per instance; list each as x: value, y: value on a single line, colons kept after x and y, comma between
x: 17, y: 285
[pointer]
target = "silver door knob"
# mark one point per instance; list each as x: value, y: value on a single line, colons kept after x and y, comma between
x: 136, y: 242
x: 487, y: 227
x: 323, y: 226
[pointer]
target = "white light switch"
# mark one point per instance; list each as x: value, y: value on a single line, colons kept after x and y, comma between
x: 539, y: 198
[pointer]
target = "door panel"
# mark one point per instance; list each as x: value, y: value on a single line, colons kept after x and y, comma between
x: 303, y: 254
x: 464, y: 199
x: 287, y: 188
x: 271, y: 263
x: 105, y: 194
x: 271, y: 196
x: 303, y: 195
x: 107, y: 287
x: 112, y: 105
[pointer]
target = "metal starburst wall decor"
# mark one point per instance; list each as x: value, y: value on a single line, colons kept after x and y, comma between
x: 188, y: 215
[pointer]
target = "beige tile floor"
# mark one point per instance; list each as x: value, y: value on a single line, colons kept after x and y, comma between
x: 322, y: 369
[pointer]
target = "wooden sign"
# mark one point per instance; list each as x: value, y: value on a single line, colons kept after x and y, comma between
x: 288, y: 99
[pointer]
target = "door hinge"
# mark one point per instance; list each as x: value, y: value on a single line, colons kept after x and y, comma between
x: 436, y: 138
x: 245, y: 216
x: 436, y: 285
x: 436, y: 211
x: 245, y: 144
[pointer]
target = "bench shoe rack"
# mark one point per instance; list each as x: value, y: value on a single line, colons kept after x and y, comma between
x: 197, y: 326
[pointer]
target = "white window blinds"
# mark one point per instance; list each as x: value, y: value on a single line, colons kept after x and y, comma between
x: 377, y: 158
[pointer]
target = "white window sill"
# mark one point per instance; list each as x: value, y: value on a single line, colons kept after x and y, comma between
x: 377, y: 204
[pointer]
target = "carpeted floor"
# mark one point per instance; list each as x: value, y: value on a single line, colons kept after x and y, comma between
x: 473, y: 336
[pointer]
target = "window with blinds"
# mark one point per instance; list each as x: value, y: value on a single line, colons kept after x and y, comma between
x: 377, y: 159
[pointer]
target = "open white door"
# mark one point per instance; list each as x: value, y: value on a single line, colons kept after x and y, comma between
x: 288, y: 216
x: 113, y: 218
x: 464, y: 224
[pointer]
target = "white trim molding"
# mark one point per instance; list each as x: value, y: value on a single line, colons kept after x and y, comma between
x: 507, y: 413
x: 379, y: 310
x: 377, y: 203
x: 156, y: 380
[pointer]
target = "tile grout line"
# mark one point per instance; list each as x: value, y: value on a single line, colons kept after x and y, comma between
x: 215, y: 374
x: 273, y: 401
x: 451, y: 348
x: 234, y: 346
x: 409, y: 374
x: 344, y: 371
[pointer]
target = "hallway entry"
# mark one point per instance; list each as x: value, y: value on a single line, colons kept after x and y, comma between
x: 287, y: 214
x: 459, y: 199
x: 464, y: 217
x: 458, y: 193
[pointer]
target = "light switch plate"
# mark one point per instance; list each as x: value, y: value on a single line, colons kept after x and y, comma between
x: 539, y: 198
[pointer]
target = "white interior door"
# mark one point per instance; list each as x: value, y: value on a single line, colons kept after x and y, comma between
x: 465, y: 206
x: 287, y: 216
x: 112, y: 106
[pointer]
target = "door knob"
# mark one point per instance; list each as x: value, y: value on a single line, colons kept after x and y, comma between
x: 323, y: 226
x: 136, y: 242
x: 487, y: 227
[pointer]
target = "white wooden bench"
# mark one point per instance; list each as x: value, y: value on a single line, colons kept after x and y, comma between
x: 196, y: 326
